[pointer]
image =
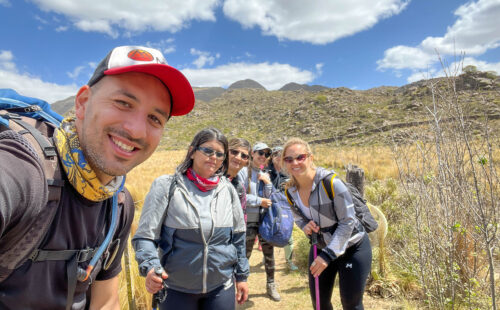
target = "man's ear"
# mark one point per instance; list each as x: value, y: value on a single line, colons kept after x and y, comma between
x: 81, y: 101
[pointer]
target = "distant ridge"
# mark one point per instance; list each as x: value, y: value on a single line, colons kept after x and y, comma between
x: 252, y: 102
x: 248, y: 83
x: 63, y: 106
x: 207, y: 93
x: 295, y: 86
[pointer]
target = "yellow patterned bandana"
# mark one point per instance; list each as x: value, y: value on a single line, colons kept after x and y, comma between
x: 79, y: 172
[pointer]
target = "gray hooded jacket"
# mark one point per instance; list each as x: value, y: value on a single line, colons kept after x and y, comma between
x: 172, y: 236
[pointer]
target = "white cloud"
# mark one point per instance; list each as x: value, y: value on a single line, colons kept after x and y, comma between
x: 114, y: 16
x: 28, y: 85
x: 41, y: 20
x: 317, y: 22
x: 319, y: 68
x: 204, y: 58
x: 425, y: 75
x: 482, y: 65
x: 76, y: 72
x: 402, y: 57
x: 5, y: 3
x: 168, y: 50
x: 166, y: 46
x: 474, y: 32
x: 96, y: 25
x: 6, y: 62
x: 271, y: 76
x: 61, y: 28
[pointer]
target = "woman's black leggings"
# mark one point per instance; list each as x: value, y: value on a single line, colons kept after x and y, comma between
x: 353, y: 268
x: 221, y: 298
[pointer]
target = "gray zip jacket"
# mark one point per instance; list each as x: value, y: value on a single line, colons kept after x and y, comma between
x: 253, y: 199
x: 337, y: 223
x: 171, y: 236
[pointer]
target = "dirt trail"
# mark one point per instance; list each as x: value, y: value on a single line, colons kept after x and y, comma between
x: 293, y: 288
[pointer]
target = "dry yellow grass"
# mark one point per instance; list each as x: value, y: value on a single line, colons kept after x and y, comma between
x: 162, y: 162
x: 138, y: 182
x: 377, y: 161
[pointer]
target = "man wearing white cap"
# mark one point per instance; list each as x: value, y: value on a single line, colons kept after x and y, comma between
x: 119, y: 119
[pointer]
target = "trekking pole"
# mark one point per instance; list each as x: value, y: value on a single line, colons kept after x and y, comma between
x: 314, y: 241
x: 159, y: 296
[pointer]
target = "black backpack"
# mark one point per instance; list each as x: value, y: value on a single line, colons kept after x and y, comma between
x: 22, y: 119
x: 363, y: 214
x: 31, y: 121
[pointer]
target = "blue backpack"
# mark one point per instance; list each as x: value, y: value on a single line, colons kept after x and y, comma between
x: 277, y: 223
x: 35, y: 108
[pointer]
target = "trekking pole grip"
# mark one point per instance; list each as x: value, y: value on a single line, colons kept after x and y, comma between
x: 156, y: 296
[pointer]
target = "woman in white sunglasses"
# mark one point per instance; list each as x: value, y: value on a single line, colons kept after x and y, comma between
x: 192, y: 229
x: 343, y: 247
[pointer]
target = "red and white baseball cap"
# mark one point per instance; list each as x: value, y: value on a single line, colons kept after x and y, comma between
x: 148, y: 60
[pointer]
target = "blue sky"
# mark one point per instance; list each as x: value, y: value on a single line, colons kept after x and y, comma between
x: 49, y: 48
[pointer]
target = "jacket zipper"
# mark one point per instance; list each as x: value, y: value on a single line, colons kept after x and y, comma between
x: 205, y: 244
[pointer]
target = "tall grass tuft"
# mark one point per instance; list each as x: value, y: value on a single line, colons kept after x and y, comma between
x: 138, y: 182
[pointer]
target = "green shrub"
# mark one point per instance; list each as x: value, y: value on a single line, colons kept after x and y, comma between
x: 321, y: 99
x: 301, y: 249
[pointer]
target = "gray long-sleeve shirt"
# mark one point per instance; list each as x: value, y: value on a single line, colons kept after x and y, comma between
x: 320, y: 210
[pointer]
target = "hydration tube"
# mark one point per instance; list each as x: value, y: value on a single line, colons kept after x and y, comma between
x: 84, y: 274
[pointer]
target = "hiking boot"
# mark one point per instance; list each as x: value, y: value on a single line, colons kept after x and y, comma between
x: 272, y: 292
x: 292, y: 266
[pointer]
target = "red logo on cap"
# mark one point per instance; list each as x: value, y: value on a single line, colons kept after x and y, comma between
x: 140, y: 55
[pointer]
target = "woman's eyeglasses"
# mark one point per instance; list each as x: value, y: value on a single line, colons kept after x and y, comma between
x: 243, y: 155
x: 209, y: 152
x: 264, y: 153
x: 299, y: 158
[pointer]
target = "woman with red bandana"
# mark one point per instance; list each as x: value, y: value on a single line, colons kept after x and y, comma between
x: 192, y: 230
